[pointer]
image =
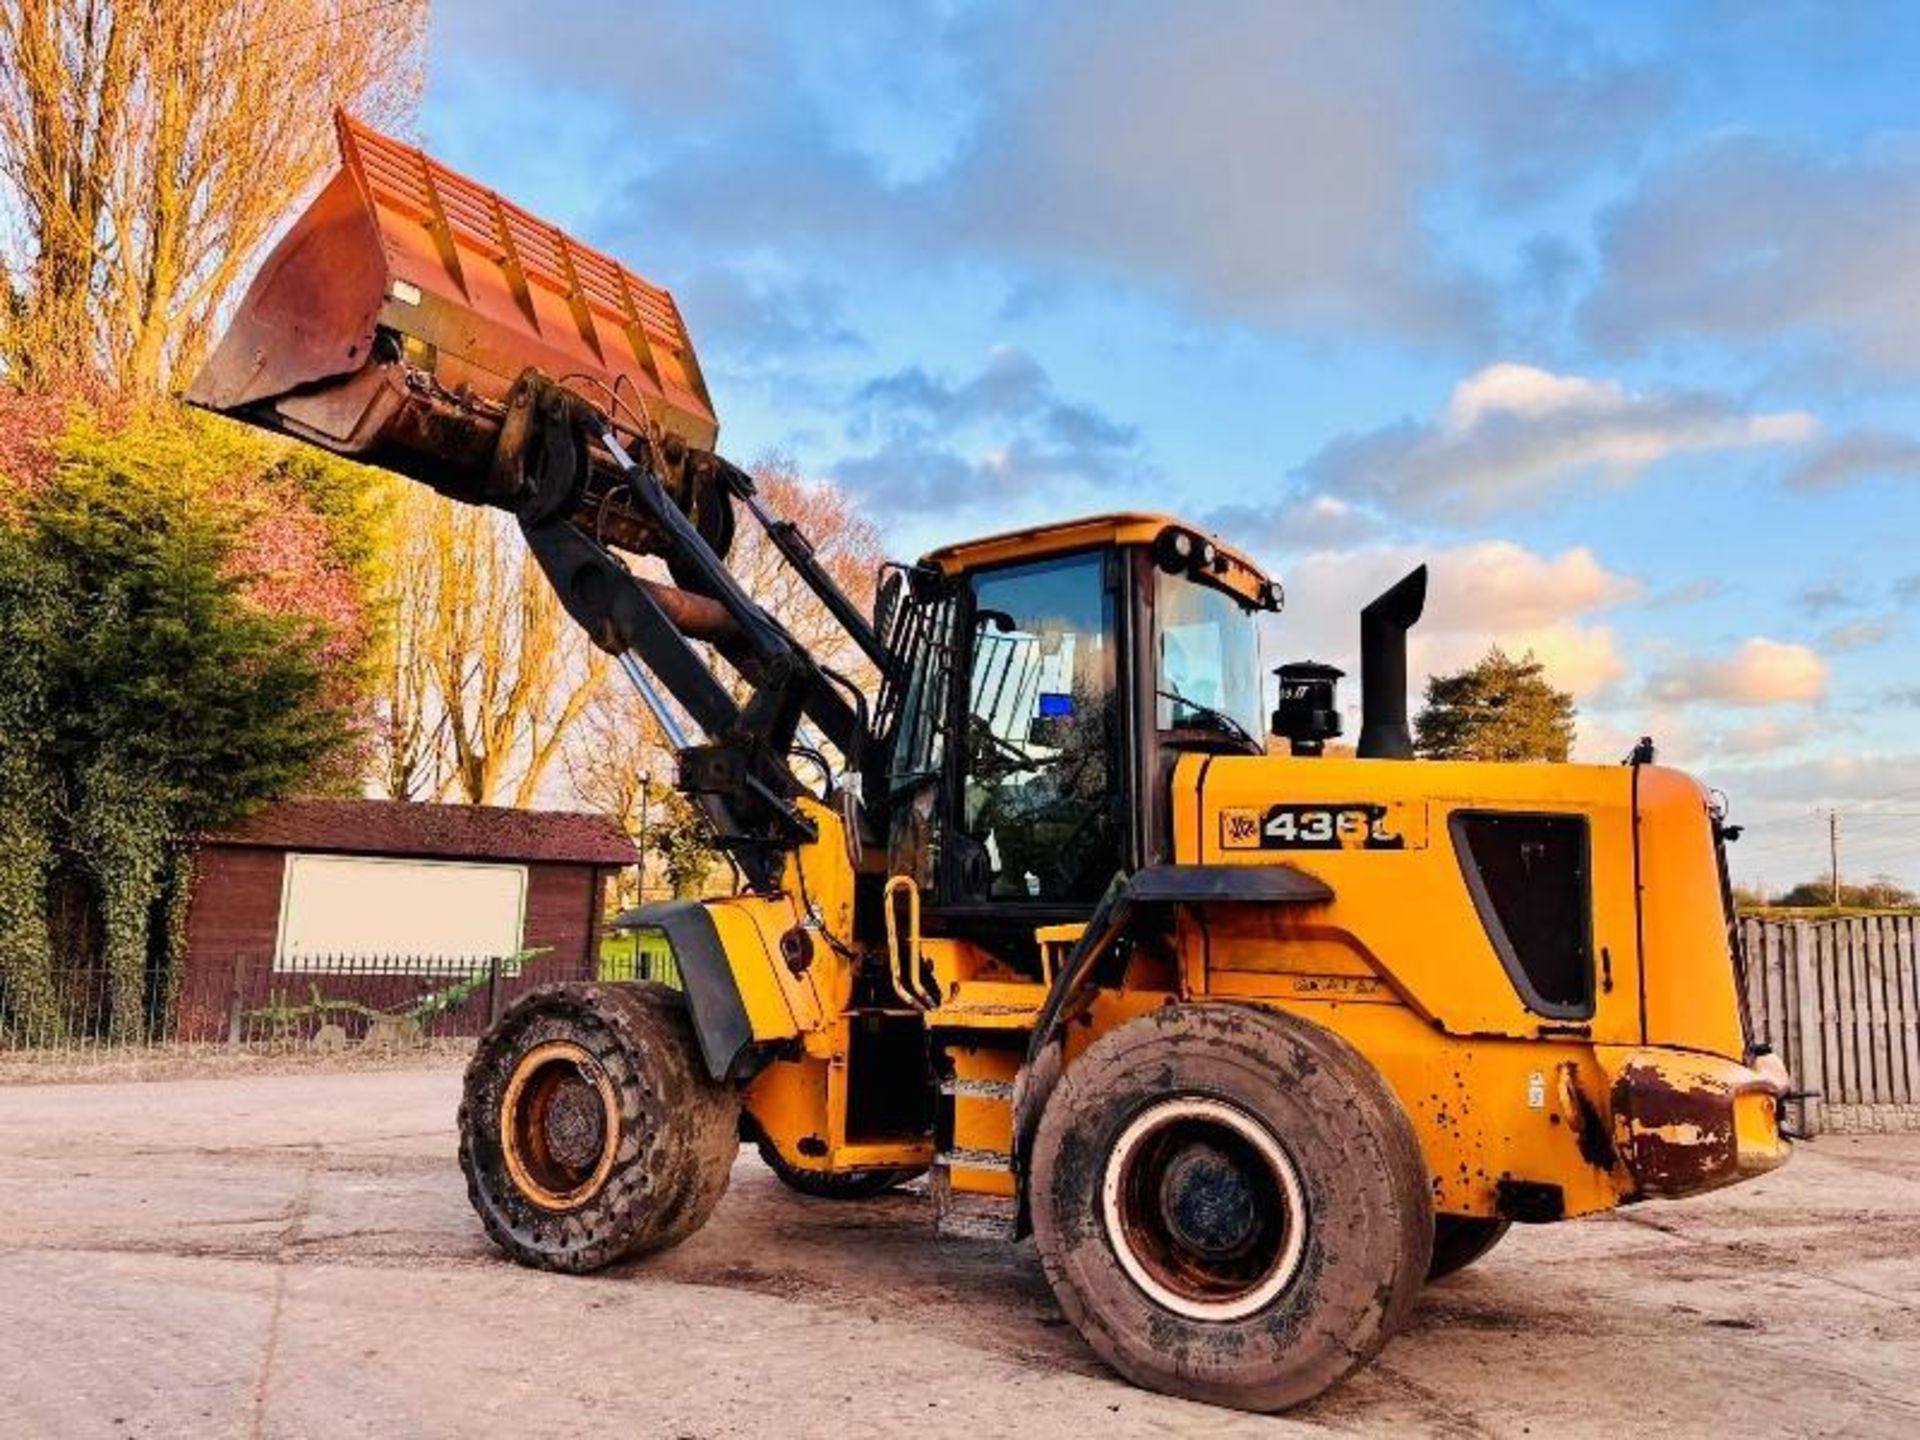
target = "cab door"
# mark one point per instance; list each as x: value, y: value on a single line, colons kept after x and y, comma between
x: 1038, y: 789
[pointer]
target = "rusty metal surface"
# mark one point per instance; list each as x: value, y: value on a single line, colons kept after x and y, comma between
x: 395, y: 319
x: 1679, y: 1136
x: 558, y: 1123
x: 1588, y: 1124
x: 695, y: 616
x: 477, y: 289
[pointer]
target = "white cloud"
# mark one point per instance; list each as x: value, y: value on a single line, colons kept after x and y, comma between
x: 1687, y: 592
x: 930, y: 443
x: 1515, y: 434
x: 1766, y: 737
x: 1849, y: 779
x: 1783, y: 803
x: 1578, y: 658
x: 1273, y: 165
x: 1490, y: 592
x: 1496, y: 583
x: 1611, y: 728
x: 1824, y: 597
x: 1526, y: 391
x: 1760, y: 672
x: 1177, y: 154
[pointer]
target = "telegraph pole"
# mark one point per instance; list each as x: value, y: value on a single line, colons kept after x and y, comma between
x: 1833, y: 852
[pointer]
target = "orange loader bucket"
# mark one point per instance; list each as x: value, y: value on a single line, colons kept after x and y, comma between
x: 393, y: 321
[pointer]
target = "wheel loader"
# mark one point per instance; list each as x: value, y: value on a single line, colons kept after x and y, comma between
x: 1251, y: 1039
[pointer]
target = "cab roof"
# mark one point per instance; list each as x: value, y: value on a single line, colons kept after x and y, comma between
x: 1231, y: 568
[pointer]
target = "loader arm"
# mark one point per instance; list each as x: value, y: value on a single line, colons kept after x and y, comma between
x: 739, y: 771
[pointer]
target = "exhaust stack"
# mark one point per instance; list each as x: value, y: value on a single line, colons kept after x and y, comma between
x: 1384, y: 732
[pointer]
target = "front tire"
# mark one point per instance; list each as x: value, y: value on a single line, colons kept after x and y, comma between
x: 590, y: 1131
x: 1230, y: 1205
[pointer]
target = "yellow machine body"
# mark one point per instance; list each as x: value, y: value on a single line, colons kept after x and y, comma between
x: 1657, y: 1090
x: 1652, y: 1095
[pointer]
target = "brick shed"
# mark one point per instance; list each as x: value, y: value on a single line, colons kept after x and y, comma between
x: 310, y: 879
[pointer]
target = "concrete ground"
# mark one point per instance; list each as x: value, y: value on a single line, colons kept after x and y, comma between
x: 294, y: 1256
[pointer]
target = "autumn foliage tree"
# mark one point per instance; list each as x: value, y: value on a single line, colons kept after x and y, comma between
x: 184, y: 604
x: 149, y: 150
x: 846, y: 543
x: 1497, y: 709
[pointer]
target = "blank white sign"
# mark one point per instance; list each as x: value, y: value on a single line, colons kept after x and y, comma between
x: 359, y: 906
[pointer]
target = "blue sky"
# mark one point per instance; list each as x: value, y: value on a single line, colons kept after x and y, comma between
x: 1611, y: 312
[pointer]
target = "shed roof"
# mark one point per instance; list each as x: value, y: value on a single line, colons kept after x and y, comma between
x: 445, y: 832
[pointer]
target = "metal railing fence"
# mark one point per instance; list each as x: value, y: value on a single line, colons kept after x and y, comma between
x: 321, y: 1002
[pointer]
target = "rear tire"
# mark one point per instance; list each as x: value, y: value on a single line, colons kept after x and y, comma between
x: 1459, y: 1240
x: 826, y: 1185
x: 590, y: 1130
x: 1230, y: 1205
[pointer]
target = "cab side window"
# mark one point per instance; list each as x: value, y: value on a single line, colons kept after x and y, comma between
x: 1041, y: 783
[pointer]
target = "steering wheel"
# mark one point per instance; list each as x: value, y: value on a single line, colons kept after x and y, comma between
x: 986, y: 744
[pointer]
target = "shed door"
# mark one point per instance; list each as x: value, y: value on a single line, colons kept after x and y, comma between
x: 363, y: 906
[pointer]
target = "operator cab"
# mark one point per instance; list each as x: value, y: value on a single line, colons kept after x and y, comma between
x: 1086, y: 658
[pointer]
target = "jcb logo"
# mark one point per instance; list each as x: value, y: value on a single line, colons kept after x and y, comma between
x: 1356, y: 826
x: 1240, y: 829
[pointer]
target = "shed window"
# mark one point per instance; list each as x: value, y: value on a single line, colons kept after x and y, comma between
x: 365, y: 906
x: 1531, y: 882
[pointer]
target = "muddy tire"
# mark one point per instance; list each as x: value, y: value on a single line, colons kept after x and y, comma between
x: 1459, y: 1240
x: 589, y: 1128
x: 850, y: 1185
x: 1230, y: 1205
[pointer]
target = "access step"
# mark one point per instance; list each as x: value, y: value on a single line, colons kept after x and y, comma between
x: 969, y: 1214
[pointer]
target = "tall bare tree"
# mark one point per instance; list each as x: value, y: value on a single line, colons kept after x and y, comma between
x: 614, y: 750
x: 846, y: 543
x: 150, y: 147
x: 485, y: 674
x: 486, y: 682
x: 409, y: 725
x: 618, y: 764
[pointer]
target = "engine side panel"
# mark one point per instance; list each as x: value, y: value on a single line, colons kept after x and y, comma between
x: 1405, y: 919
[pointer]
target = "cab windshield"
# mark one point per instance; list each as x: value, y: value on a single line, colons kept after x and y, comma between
x: 1209, y: 677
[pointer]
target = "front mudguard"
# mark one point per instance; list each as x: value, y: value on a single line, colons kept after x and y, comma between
x: 720, y: 1019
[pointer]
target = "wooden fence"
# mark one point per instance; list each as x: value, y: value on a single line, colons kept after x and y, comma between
x: 1839, y: 1001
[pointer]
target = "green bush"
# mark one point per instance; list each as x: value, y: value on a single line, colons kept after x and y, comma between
x: 152, y: 693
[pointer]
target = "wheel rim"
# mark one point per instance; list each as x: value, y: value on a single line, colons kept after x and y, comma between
x: 559, y: 1125
x: 1204, y: 1208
